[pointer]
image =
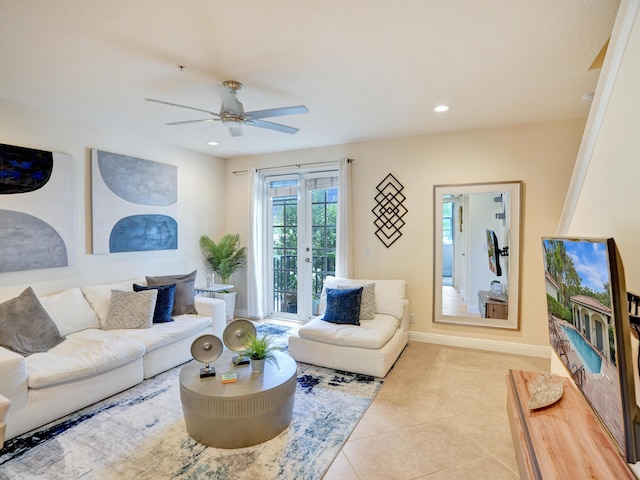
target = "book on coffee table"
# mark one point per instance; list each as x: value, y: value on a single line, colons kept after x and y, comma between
x: 229, y: 377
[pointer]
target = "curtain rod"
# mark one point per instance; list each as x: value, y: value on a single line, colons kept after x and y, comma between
x: 298, y: 165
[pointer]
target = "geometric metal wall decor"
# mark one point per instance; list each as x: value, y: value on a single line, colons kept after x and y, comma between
x: 36, y: 214
x: 134, y: 204
x: 389, y: 210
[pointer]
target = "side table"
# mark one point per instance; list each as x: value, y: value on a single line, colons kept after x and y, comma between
x: 209, y: 291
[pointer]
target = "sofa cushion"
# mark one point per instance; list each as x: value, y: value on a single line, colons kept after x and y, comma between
x: 70, y: 311
x: 131, y: 309
x: 82, y: 354
x: 99, y: 296
x: 164, y: 302
x: 372, y: 334
x: 185, y: 292
x: 26, y: 327
x: 368, y: 300
x: 389, y: 294
x: 162, y: 334
x: 343, y: 306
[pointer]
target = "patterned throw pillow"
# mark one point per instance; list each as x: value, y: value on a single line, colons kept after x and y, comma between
x: 185, y: 292
x: 368, y: 302
x: 164, y: 302
x: 131, y: 309
x: 26, y: 327
x: 343, y: 306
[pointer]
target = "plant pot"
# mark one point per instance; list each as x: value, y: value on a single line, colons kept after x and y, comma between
x: 258, y: 365
x: 230, y: 301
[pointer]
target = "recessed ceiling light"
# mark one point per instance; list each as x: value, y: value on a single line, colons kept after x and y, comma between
x: 441, y: 108
x: 212, y: 143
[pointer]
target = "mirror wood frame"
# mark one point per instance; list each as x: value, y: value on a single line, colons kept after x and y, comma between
x: 515, y: 204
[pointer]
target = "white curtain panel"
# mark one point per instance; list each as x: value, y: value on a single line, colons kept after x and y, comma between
x: 256, y: 255
x: 344, y: 257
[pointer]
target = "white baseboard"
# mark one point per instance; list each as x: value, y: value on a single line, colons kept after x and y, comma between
x: 480, y: 344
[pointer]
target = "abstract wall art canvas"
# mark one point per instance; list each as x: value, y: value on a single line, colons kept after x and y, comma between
x: 36, y: 209
x: 134, y: 204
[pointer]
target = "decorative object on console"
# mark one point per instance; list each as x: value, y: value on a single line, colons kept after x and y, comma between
x: 184, y: 302
x: 26, y: 327
x: 206, y: 349
x: 235, y: 337
x: 389, y: 210
x: 134, y: 204
x: 343, y: 305
x: 590, y: 334
x: 164, y: 302
x: 545, y: 390
x: 36, y: 229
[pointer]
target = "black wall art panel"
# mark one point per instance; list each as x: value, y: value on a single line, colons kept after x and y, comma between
x: 389, y: 210
x: 36, y: 218
x: 23, y: 170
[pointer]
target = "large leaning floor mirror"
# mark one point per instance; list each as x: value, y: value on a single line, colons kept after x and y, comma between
x: 477, y: 254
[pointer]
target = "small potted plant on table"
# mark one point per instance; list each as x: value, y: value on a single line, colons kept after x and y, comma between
x: 259, y: 349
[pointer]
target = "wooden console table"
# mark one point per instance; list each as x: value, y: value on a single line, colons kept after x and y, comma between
x: 562, y: 441
x: 492, y: 308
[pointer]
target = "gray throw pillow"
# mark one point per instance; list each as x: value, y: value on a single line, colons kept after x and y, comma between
x: 184, y: 298
x: 131, y: 309
x: 26, y: 327
x: 368, y: 302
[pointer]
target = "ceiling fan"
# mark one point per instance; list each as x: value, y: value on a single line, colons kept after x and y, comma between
x: 232, y: 112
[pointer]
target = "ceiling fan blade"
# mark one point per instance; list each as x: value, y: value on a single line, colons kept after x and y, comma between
x: 277, y: 112
x: 194, y: 121
x: 182, y: 106
x: 271, y: 126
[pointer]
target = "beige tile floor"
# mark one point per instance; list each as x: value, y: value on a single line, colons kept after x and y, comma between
x: 440, y: 415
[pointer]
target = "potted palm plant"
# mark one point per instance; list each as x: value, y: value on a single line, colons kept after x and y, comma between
x: 224, y: 258
x: 259, y: 349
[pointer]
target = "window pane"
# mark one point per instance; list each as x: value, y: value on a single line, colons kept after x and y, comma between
x: 447, y: 223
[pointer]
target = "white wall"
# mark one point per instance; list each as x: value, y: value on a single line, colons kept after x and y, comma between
x: 542, y: 156
x: 200, y: 191
x: 608, y: 202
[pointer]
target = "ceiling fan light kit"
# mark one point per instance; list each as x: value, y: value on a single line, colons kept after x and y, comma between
x: 233, y: 116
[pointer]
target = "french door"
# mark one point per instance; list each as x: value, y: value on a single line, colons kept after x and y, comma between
x: 301, y: 241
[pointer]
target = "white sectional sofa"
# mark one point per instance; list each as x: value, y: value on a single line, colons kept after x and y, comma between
x: 370, y: 348
x: 92, y: 363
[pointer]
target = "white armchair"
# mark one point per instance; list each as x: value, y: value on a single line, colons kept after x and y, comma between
x: 370, y: 348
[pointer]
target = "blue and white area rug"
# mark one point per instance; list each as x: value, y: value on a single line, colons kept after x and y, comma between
x: 140, y: 434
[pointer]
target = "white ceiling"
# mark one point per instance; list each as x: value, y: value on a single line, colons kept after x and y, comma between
x: 366, y: 69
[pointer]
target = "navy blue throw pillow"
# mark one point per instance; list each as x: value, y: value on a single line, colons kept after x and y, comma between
x: 343, y: 306
x: 164, y: 302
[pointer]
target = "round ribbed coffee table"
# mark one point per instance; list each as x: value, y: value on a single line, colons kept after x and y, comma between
x: 252, y: 410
